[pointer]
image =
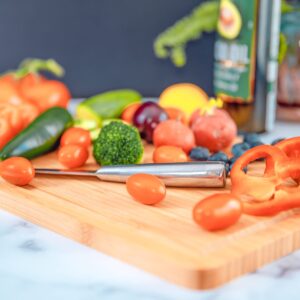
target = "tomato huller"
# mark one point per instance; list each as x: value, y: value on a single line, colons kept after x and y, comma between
x: 192, y: 174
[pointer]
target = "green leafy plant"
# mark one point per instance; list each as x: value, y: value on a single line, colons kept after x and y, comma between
x: 172, y: 42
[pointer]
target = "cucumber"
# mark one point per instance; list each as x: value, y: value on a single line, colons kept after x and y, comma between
x: 41, y: 136
x: 86, y: 124
x: 108, y: 105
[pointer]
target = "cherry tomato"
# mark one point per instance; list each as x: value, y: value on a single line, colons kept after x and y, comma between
x: 73, y: 156
x: 176, y: 114
x: 76, y: 136
x: 146, y: 188
x: 129, y: 111
x: 6, y: 133
x: 169, y: 154
x: 12, y: 114
x: 174, y: 133
x: 217, y: 211
x: 17, y: 170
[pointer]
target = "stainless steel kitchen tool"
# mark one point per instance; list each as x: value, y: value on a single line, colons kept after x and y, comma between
x: 193, y: 174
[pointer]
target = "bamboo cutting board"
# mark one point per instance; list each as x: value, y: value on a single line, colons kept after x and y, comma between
x: 161, y: 239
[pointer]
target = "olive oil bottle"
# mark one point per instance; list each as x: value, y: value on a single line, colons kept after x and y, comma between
x: 246, y: 61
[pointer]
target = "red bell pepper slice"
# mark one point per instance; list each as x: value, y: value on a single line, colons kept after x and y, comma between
x: 254, y: 187
x: 285, y: 197
x: 290, y: 146
x: 282, y: 201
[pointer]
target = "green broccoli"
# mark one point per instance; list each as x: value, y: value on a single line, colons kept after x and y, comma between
x: 118, y: 144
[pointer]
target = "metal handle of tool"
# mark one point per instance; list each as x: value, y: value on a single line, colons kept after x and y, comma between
x: 192, y: 174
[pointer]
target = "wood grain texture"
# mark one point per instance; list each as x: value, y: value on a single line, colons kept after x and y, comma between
x: 161, y: 239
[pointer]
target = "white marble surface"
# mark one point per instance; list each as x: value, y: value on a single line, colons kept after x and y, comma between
x: 36, y: 264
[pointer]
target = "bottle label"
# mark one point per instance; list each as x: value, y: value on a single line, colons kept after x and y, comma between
x: 234, y: 67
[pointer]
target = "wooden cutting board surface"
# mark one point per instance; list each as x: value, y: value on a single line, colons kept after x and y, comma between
x: 161, y: 239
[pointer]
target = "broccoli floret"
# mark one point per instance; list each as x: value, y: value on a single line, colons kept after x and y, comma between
x: 118, y: 144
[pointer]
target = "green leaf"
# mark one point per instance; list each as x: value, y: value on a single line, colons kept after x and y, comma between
x: 172, y: 42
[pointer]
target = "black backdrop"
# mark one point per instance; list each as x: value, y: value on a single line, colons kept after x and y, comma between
x: 103, y: 44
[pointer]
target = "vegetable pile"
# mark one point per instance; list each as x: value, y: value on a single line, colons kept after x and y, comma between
x: 184, y: 125
x: 25, y: 94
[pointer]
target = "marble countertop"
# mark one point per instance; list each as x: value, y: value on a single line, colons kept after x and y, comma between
x: 38, y: 264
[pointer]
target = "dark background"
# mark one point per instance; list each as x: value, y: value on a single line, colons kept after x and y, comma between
x: 103, y: 44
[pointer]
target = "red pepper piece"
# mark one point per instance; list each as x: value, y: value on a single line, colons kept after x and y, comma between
x: 290, y: 146
x: 286, y: 197
x: 258, y: 188
x: 282, y: 201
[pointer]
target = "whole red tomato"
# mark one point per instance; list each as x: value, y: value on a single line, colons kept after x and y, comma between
x: 215, y: 131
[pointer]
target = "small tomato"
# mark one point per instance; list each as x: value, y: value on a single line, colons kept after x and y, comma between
x: 73, y: 156
x: 146, y: 188
x: 217, y: 211
x: 17, y: 170
x: 169, y: 154
x: 76, y: 136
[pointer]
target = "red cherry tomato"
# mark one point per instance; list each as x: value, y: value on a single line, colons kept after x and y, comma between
x: 129, y: 112
x: 73, y: 156
x: 217, y: 211
x: 76, y: 136
x: 17, y: 170
x: 146, y: 188
x: 6, y: 133
x: 169, y: 154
